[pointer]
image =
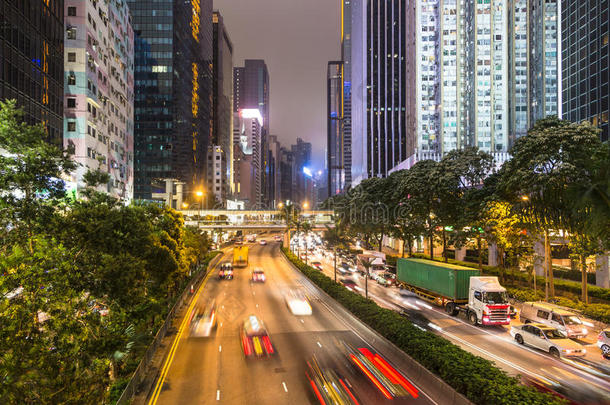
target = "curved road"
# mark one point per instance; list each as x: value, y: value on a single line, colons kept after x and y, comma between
x: 213, y: 370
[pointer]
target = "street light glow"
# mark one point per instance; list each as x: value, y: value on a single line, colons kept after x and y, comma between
x: 199, y: 193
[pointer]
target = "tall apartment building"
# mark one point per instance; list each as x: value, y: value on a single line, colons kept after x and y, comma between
x: 99, y: 85
x: 585, y: 56
x: 335, y: 141
x: 482, y: 72
x: 442, y: 75
x: 31, y: 61
x: 219, y: 182
x: 173, y: 92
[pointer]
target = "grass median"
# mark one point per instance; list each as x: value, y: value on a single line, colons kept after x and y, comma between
x: 476, y: 378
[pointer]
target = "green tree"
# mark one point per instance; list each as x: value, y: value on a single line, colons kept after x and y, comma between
x: 30, y: 177
x: 540, y: 179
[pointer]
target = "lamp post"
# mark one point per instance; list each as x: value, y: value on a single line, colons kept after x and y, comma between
x: 335, y: 259
x: 200, y: 195
x: 366, y: 262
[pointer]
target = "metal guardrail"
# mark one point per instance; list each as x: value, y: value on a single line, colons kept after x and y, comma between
x: 133, y: 387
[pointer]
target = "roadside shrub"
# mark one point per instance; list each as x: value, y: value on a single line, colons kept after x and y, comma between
x: 476, y: 378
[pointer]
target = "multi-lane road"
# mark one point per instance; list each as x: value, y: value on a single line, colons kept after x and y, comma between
x: 214, y: 370
x: 586, y: 381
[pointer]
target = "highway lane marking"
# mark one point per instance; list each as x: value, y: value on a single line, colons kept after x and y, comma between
x: 319, y: 344
x: 219, y: 348
x: 284, y: 385
x: 217, y: 395
x: 174, y: 347
x: 256, y: 305
x: 302, y: 321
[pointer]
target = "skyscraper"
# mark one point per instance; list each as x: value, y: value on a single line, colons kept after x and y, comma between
x: 250, y: 186
x: 585, y: 56
x: 251, y: 91
x: 173, y: 92
x: 301, y: 172
x: 373, y: 50
x: 221, y: 147
x: 32, y: 58
x: 335, y: 142
x: 99, y: 48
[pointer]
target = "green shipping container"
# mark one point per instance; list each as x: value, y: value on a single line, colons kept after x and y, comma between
x: 443, y: 279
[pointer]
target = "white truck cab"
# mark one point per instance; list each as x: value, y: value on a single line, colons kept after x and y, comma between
x: 488, y: 300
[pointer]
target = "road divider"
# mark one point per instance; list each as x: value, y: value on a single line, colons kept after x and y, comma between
x: 476, y: 378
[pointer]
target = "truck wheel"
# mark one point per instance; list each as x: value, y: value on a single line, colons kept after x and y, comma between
x: 519, y: 339
x: 605, y: 349
x: 451, y: 309
x: 554, y: 352
x: 472, y: 317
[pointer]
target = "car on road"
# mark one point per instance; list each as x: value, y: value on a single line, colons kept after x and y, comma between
x: 262, y: 242
x: 603, y: 341
x: 316, y: 265
x: 348, y: 283
x: 226, y: 271
x: 328, y: 386
x: 389, y: 381
x: 255, y: 341
x: 278, y: 238
x: 258, y: 275
x: 554, y: 316
x: 203, y: 320
x: 297, y: 303
x: 547, y: 339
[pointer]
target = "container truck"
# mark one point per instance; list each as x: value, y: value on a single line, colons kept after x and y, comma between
x: 240, y: 256
x: 458, y: 289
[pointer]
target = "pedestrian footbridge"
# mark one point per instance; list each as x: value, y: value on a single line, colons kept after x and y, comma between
x: 251, y: 220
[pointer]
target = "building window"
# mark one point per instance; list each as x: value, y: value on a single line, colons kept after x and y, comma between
x: 71, y: 56
x: 71, y: 11
x: 71, y: 79
x: 71, y: 126
x: 71, y: 33
x: 71, y: 102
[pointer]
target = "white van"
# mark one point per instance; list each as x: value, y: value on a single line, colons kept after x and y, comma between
x: 552, y: 315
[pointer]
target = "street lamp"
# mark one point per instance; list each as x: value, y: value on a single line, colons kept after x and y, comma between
x: 280, y: 205
x: 305, y: 205
x: 200, y: 194
x: 185, y: 205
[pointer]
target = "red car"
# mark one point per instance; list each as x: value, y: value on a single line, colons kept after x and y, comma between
x: 255, y: 340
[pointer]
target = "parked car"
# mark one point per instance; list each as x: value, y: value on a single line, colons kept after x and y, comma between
x: 603, y: 341
x: 554, y: 316
x: 548, y: 339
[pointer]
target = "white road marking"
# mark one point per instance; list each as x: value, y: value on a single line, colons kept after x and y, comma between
x: 253, y: 293
x: 217, y: 395
x: 319, y: 344
x: 221, y: 324
x: 302, y: 321
x: 256, y: 305
x: 219, y: 348
x: 284, y: 385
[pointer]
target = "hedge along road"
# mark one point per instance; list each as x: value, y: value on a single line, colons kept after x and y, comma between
x: 492, y: 343
x: 214, y: 370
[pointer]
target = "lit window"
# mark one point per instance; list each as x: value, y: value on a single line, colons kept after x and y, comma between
x: 71, y: 126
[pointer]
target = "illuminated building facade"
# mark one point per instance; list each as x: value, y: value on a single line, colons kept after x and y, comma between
x: 173, y: 92
x: 585, y: 32
x: 98, y: 106
x: 483, y: 72
x: 252, y: 153
x: 335, y: 158
x: 219, y: 181
x: 31, y: 61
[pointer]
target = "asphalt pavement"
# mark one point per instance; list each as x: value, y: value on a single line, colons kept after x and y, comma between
x: 585, y: 380
x: 214, y: 370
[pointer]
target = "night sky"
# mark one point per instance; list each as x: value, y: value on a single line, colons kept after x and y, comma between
x: 296, y: 38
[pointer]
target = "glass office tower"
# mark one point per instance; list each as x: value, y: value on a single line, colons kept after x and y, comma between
x: 32, y: 59
x: 173, y: 91
x: 585, y: 60
x: 335, y: 145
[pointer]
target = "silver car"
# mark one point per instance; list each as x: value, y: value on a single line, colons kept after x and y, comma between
x: 547, y: 339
